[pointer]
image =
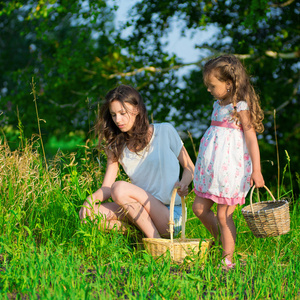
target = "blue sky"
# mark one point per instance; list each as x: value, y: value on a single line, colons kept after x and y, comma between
x: 183, y: 47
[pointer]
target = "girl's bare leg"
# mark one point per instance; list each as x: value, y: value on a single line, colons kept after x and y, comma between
x: 113, y: 216
x: 202, y: 209
x: 227, y: 228
x: 144, y: 210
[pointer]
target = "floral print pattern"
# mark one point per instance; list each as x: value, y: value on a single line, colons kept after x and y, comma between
x: 223, y: 168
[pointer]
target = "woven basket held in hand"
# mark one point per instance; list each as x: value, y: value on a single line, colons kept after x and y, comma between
x: 268, y: 218
x: 179, y: 248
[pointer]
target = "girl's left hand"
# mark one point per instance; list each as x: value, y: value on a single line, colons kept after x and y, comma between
x: 183, y: 189
x: 257, y: 179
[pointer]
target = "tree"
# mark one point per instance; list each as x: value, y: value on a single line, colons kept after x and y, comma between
x: 263, y: 34
x: 69, y: 49
x: 75, y: 55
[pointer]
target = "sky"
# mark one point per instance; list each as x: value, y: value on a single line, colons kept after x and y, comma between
x: 183, y: 47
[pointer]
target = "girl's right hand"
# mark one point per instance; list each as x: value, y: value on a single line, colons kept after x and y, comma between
x: 183, y: 189
x: 87, y: 210
x: 257, y: 179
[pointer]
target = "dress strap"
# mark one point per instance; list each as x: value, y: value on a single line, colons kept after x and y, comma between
x: 226, y: 124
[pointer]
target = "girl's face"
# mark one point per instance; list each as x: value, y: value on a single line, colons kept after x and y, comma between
x: 123, y: 117
x: 219, y: 89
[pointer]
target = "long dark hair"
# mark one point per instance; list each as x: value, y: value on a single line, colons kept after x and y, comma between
x: 229, y: 68
x: 106, y: 129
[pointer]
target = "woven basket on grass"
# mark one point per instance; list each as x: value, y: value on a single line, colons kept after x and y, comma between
x: 267, y: 218
x: 179, y: 248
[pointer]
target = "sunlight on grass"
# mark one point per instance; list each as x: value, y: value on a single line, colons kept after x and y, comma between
x: 47, y: 253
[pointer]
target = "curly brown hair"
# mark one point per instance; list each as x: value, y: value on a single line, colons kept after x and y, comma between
x: 229, y: 68
x: 106, y: 129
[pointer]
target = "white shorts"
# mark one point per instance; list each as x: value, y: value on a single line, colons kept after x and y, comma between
x: 177, y: 218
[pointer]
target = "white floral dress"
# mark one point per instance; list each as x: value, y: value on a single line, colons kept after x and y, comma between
x: 223, y: 168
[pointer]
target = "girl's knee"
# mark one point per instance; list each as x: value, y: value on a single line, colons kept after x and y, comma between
x: 118, y: 190
x: 223, y: 218
x: 225, y: 214
x: 195, y: 209
x: 198, y: 208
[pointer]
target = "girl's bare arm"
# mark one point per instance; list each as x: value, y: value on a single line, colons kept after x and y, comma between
x: 252, y: 145
x: 104, y: 192
x: 188, y: 172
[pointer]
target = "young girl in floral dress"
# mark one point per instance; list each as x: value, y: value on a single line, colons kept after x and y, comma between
x: 228, y: 162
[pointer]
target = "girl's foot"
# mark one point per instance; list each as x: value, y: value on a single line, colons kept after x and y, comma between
x: 227, y: 264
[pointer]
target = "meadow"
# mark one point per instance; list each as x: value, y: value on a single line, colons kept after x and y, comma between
x: 46, y: 252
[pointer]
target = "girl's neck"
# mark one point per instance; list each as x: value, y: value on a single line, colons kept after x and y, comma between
x: 224, y: 102
x: 149, y: 136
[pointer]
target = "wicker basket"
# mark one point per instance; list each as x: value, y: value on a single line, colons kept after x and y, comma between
x: 268, y: 218
x: 179, y: 248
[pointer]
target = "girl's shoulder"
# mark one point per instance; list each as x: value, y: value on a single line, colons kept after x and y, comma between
x: 242, y: 105
x: 165, y: 130
x: 164, y: 126
x: 216, y: 103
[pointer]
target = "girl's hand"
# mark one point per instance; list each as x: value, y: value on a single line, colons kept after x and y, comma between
x: 102, y: 194
x: 183, y: 189
x: 87, y: 210
x: 257, y: 179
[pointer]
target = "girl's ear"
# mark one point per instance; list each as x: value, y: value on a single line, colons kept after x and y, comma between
x: 229, y: 84
x: 136, y: 111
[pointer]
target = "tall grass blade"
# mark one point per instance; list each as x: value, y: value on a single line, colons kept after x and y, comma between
x: 33, y: 89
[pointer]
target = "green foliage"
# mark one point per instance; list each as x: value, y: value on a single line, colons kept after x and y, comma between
x: 76, y: 55
x: 61, y: 44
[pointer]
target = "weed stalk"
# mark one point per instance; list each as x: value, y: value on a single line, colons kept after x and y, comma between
x: 20, y: 127
x: 38, y: 119
x: 193, y: 144
x: 277, y: 151
x: 290, y: 173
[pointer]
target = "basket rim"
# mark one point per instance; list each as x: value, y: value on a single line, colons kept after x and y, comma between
x: 178, y: 243
x: 259, y: 202
x: 179, y: 240
x: 250, y: 207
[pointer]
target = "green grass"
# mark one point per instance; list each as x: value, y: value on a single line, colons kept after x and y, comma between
x: 47, y: 253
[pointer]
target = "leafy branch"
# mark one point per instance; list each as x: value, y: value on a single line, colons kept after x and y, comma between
x: 153, y: 69
x: 282, y: 4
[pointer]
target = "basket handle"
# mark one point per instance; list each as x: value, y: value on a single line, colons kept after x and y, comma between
x: 251, y: 195
x: 171, y: 220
